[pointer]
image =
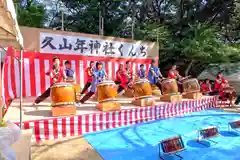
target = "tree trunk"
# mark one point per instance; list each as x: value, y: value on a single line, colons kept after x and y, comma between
x: 189, y: 67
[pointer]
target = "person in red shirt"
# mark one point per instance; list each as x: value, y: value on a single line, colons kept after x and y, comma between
x: 206, y: 87
x: 129, y: 73
x: 219, y: 82
x: 57, y: 74
x: 89, y: 72
x: 121, y: 78
x: 173, y: 73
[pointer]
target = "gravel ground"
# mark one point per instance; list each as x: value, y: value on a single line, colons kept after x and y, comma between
x: 76, y: 148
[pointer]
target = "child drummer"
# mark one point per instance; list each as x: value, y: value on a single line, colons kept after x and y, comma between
x: 154, y: 74
x: 70, y: 74
x: 121, y: 78
x: 89, y: 77
x: 142, y: 72
x: 98, y: 76
x: 57, y: 74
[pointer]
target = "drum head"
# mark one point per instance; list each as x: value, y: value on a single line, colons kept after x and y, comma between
x: 190, y: 80
x: 62, y: 84
x: 106, y: 83
x: 141, y: 81
x: 167, y: 80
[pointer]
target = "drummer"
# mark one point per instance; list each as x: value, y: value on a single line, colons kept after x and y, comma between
x: 154, y: 74
x: 89, y: 72
x: 98, y: 76
x: 220, y: 82
x: 57, y: 75
x: 69, y: 71
x: 173, y: 73
x: 142, y: 72
x: 129, y: 72
x: 121, y: 78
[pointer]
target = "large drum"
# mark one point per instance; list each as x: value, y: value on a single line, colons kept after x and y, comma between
x: 62, y: 94
x: 142, y: 88
x: 106, y: 90
x: 172, y: 145
x: 77, y: 90
x: 169, y: 86
x: 190, y: 85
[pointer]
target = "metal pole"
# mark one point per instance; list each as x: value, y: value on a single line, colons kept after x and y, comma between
x: 62, y: 19
x: 102, y: 21
x: 1, y: 102
x: 20, y: 77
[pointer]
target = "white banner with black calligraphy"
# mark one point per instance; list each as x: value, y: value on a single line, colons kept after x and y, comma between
x: 87, y: 46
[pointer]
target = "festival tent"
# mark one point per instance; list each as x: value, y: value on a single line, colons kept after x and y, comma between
x: 9, y: 32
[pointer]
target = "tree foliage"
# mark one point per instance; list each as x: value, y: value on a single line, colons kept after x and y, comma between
x: 191, y: 33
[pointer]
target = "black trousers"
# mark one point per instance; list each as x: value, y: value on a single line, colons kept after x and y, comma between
x: 86, y: 97
x: 44, y: 96
x: 85, y: 88
x: 158, y: 85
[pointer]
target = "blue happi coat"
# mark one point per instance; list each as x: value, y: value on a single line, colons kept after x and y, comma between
x: 153, y: 79
x: 98, y: 76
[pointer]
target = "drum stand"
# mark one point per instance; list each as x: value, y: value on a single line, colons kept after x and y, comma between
x: 172, y: 153
x: 233, y: 130
x: 207, y: 139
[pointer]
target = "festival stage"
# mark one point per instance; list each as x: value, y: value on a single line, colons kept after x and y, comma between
x: 89, y: 119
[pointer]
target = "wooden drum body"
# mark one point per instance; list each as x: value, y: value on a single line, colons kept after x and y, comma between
x: 62, y: 94
x: 106, y: 90
x: 172, y: 145
x: 169, y: 86
x: 191, y: 85
x: 142, y: 88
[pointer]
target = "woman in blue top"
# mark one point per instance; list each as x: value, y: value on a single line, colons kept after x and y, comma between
x: 98, y: 76
x: 154, y: 74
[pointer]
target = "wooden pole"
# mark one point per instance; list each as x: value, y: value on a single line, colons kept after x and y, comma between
x: 1, y: 100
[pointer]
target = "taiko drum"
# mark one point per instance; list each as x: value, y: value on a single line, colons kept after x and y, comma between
x: 106, y: 90
x: 169, y: 86
x: 209, y: 132
x: 77, y: 90
x: 172, y: 145
x: 191, y: 85
x: 142, y: 88
x: 62, y: 94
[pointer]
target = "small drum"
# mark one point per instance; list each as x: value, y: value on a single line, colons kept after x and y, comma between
x: 142, y: 88
x: 235, y: 124
x: 172, y: 145
x: 229, y: 93
x: 169, y: 86
x: 62, y: 94
x: 208, y: 132
x: 190, y: 85
x: 106, y: 90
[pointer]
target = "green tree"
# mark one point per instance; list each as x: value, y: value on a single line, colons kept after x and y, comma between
x: 32, y: 15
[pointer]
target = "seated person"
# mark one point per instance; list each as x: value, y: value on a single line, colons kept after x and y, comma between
x: 121, y: 78
x: 206, y: 87
x: 98, y: 76
x: 142, y: 72
x: 69, y: 72
x: 154, y: 74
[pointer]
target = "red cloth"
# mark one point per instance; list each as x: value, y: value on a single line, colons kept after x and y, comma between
x: 59, y: 77
x: 172, y: 74
x: 89, y: 72
x: 122, y: 78
x: 218, y: 85
x: 205, y: 88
